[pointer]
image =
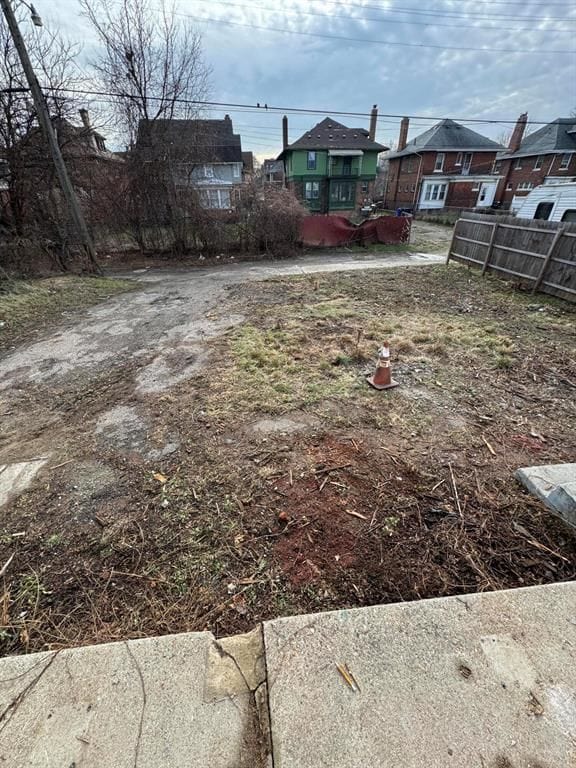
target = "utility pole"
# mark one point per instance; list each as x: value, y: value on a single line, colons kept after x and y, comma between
x: 48, y: 128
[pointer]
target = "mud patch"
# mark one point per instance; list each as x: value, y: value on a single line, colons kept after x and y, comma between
x: 171, y: 368
x: 15, y: 478
x: 123, y: 427
x: 89, y: 485
x: 282, y: 425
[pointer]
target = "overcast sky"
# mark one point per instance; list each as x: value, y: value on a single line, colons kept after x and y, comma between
x: 254, y: 62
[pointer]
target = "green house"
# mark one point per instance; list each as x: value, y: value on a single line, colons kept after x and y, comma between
x: 332, y: 168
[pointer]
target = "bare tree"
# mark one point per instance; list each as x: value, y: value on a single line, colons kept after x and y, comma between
x: 151, y: 62
x: 27, y: 168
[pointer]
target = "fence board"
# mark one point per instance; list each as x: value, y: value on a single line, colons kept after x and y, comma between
x: 541, y: 254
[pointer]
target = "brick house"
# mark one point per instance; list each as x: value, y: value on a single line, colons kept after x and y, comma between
x: 447, y: 166
x: 201, y: 155
x: 547, y: 156
x: 332, y: 168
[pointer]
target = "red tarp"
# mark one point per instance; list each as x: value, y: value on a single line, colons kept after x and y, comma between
x: 330, y: 231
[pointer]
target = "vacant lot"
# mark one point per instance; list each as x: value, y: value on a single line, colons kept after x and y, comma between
x: 269, y: 479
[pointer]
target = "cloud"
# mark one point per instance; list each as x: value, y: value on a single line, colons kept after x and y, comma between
x: 253, y: 65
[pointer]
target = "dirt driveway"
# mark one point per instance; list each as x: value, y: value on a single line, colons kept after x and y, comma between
x: 214, y: 457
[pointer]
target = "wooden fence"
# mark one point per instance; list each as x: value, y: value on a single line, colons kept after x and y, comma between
x: 541, y: 254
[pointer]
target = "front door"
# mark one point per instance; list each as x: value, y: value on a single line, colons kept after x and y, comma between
x: 486, y: 194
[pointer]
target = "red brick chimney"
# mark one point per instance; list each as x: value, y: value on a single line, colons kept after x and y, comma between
x: 373, y: 121
x: 284, y: 132
x: 403, y: 137
x: 518, y: 133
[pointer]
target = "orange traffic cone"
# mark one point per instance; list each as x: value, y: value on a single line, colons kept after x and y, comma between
x: 382, y: 378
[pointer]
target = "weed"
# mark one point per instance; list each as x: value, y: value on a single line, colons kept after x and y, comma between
x: 54, y: 540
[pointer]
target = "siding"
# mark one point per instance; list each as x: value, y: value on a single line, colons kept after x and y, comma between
x: 563, y: 199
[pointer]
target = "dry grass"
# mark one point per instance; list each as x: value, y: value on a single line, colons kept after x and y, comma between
x: 241, y: 526
x: 29, y: 305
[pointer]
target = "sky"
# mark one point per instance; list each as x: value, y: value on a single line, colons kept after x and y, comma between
x: 463, y: 59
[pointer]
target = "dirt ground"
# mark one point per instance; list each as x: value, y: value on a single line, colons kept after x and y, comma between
x: 242, y: 469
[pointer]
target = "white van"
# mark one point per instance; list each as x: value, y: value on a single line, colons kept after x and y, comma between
x: 551, y: 202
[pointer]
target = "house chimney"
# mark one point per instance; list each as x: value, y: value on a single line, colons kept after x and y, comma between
x: 373, y: 120
x: 518, y: 133
x: 85, y: 117
x: 284, y: 132
x: 403, y: 137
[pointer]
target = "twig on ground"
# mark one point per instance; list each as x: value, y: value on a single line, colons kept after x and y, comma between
x: 57, y: 466
x: 455, y: 489
x: 492, y: 451
x: 6, y: 564
x: 327, y: 470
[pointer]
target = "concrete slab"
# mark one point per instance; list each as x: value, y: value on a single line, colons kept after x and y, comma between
x: 555, y: 485
x: 15, y: 478
x: 181, y: 701
x: 485, y: 680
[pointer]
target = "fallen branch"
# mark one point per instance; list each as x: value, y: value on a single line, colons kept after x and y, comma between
x: 331, y: 469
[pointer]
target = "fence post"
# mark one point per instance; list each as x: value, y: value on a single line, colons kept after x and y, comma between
x: 549, y: 254
x: 490, y: 247
x: 452, y: 241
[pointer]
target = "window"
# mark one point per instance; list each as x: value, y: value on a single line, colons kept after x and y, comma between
x: 496, y: 167
x: 458, y: 159
x: 525, y: 186
x: 215, y: 198
x: 538, y: 163
x: 518, y: 164
x: 543, y: 211
x: 439, y: 167
x: 236, y: 170
x: 435, y: 192
x: 311, y: 163
x: 208, y: 171
x: 565, y: 162
x: 569, y: 215
x: 312, y: 190
x: 408, y: 164
x: 347, y: 166
x: 509, y: 187
x: 476, y: 186
x: 342, y: 192
x: 364, y: 187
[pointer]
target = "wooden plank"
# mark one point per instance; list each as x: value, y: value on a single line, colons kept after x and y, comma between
x: 490, y: 247
x: 452, y: 241
x: 470, y: 240
x: 544, y: 267
x: 528, y: 229
x: 568, y: 263
x: 477, y: 221
x: 466, y: 258
x: 519, y: 250
x: 559, y: 287
x: 510, y: 272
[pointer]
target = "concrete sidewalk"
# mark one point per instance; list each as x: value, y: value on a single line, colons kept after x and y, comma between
x: 485, y: 680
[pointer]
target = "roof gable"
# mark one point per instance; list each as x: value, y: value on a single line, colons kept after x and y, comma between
x: 330, y: 134
x: 193, y: 140
x: 448, y: 135
x: 558, y: 136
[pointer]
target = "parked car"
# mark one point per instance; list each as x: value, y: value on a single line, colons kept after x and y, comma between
x: 551, y: 202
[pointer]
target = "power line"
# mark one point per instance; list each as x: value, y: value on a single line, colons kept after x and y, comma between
x: 486, y: 49
x: 379, y: 20
x: 449, y: 14
x: 231, y: 106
